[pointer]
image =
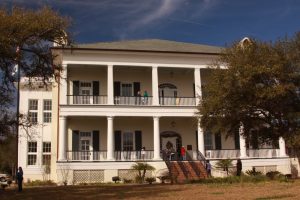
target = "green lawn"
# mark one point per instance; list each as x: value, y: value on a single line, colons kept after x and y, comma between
x: 259, y: 191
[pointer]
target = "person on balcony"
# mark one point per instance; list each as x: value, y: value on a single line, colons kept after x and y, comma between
x: 146, y: 97
x: 183, y: 153
x: 138, y: 98
x: 143, y: 153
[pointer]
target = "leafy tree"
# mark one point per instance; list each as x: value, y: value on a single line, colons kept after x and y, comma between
x: 25, y: 40
x: 225, y: 164
x: 142, y: 168
x: 259, y: 89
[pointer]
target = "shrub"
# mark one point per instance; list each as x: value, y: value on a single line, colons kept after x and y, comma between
x: 40, y: 183
x: 273, y: 174
x: 225, y: 164
x: 115, y: 179
x: 253, y: 172
x: 127, y: 180
x: 150, y: 180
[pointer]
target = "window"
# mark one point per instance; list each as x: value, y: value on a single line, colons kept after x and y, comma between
x: 127, y: 141
x: 46, y: 153
x: 33, y: 111
x: 85, y: 92
x: 47, y: 109
x: 32, y: 153
x: 208, y: 140
x: 126, y: 90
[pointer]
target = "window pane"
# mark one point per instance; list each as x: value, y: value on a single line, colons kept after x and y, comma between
x: 127, y: 90
x: 32, y: 147
x: 31, y: 160
x: 128, y: 141
x: 46, y: 159
x: 47, y: 104
x: 47, y: 117
x: 208, y: 140
x: 33, y: 117
x: 46, y: 147
x: 33, y: 104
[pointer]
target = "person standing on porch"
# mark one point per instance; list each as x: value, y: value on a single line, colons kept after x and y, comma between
x: 20, y: 178
x: 238, y: 167
x: 183, y: 153
x: 143, y: 152
x: 146, y: 97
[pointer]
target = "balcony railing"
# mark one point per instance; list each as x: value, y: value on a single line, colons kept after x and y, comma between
x: 102, y: 155
x: 87, y: 99
x: 224, y: 153
x: 136, y: 101
x: 235, y: 153
x: 134, y: 155
x: 177, y: 101
x: 86, y: 155
x: 130, y: 100
x: 263, y: 153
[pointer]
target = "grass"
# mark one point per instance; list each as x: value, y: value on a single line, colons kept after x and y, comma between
x: 255, y: 191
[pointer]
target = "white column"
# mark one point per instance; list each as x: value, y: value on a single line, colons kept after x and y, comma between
x: 156, y: 137
x: 110, y: 138
x: 62, y: 138
x: 200, y: 139
x: 110, y: 85
x: 243, y: 152
x: 198, y: 91
x: 63, y: 85
x: 155, y: 100
x: 282, y: 152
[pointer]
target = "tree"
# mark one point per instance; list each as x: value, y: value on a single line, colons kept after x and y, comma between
x: 142, y: 168
x: 259, y: 89
x: 25, y: 40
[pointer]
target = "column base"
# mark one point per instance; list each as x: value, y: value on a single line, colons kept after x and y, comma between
x: 157, y: 159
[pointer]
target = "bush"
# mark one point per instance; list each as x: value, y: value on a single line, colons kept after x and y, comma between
x: 231, y: 179
x: 253, y: 172
x: 115, y: 179
x: 150, y: 180
x: 127, y: 180
x: 40, y: 183
x: 273, y: 174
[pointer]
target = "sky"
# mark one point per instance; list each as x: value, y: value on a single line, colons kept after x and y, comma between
x: 211, y: 22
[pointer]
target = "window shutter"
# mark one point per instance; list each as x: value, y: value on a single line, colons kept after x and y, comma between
x: 96, y: 141
x: 75, y: 140
x: 117, y: 88
x: 194, y: 90
x: 237, y: 139
x: 138, y: 140
x: 118, y: 141
x: 96, y: 88
x: 197, y: 141
x: 75, y: 88
x: 136, y: 88
x: 218, y: 141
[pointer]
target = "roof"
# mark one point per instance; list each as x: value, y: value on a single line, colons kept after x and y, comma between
x: 154, y: 45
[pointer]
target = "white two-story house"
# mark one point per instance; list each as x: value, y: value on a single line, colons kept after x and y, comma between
x: 114, y: 99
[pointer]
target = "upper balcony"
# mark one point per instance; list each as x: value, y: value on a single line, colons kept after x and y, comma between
x: 133, y: 86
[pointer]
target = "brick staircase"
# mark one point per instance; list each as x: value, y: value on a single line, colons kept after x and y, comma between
x: 182, y: 171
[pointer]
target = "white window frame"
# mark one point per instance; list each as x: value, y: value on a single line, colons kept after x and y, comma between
x: 35, y: 111
x: 48, y: 111
x: 31, y: 153
x: 46, y: 153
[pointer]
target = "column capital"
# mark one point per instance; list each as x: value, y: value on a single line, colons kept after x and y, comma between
x: 110, y: 117
x: 156, y: 117
x: 155, y: 66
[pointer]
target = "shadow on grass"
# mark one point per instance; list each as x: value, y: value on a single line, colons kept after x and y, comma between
x: 90, y: 192
x: 284, y: 196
